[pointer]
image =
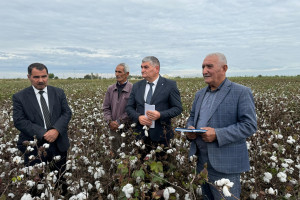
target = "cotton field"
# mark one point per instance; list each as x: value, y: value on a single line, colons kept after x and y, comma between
x: 93, y: 173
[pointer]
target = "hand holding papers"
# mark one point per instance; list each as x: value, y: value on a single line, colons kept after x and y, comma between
x: 149, y: 107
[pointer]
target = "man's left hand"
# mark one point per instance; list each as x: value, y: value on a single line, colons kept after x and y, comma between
x: 51, y: 135
x: 209, y: 135
x: 153, y: 115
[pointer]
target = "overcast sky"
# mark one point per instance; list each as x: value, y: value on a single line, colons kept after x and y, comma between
x: 74, y: 38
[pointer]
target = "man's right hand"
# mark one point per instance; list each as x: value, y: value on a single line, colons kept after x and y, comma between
x: 190, y: 135
x: 144, y: 120
x: 113, y: 125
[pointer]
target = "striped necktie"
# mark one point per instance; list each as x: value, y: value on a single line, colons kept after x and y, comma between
x: 45, y: 110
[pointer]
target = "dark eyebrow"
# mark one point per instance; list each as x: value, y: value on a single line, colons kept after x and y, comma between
x: 40, y: 76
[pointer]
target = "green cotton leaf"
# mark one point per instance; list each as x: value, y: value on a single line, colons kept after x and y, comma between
x: 139, y: 173
x: 123, y: 169
x: 14, y: 179
x: 132, y: 157
x: 156, y: 166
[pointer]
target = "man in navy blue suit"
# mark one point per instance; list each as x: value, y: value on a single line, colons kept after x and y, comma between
x: 42, y: 112
x: 164, y: 94
x: 227, y: 111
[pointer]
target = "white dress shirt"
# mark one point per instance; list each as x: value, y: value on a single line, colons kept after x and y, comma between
x: 38, y: 96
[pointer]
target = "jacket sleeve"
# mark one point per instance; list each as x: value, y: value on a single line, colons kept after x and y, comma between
x: 131, y: 107
x: 22, y: 121
x: 106, y: 107
x: 246, y: 123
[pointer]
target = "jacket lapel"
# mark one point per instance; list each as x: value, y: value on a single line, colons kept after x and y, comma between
x: 33, y: 100
x: 50, y: 99
x: 159, y: 88
x: 141, y: 90
x: 220, y: 96
x: 198, y: 104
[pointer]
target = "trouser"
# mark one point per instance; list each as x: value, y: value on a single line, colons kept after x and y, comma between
x: 211, y: 192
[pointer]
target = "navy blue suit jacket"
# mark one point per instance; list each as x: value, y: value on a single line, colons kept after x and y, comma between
x: 29, y: 121
x: 234, y: 118
x: 167, y: 101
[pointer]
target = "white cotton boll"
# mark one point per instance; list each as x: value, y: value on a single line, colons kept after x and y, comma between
x: 168, y: 191
x: 17, y: 159
x: 267, y: 177
x: 253, y: 195
x: 133, y: 125
x: 274, y: 158
x: 29, y: 148
x: 32, y: 157
x: 159, y: 148
x: 57, y: 158
x: 146, y: 133
x: 110, y: 197
x: 40, y: 186
x: 187, y: 197
x: 297, y: 166
x: 46, y: 145
x: 279, y: 136
x: 289, y: 161
x: 30, y: 184
x: 282, y: 176
x: 123, y: 145
x: 11, y: 195
x: 26, y: 196
x: 287, y: 195
x: 226, y: 191
x: 199, y: 190
x: 111, y: 137
x: 82, y: 196
x: 290, y: 140
x: 123, y: 135
x: 284, y: 165
x: 121, y: 126
x: 271, y: 191
x: 128, y: 190
x: 169, y: 151
x: 138, y: 180
x: 143, y: 147
x: 294, y: 181
x: 275, y: 145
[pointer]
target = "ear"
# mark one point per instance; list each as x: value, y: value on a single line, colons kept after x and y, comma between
x: 225, y: 67
x: 28, y: 76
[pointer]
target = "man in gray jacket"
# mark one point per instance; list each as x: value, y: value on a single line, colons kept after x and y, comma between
x: 115, y: 102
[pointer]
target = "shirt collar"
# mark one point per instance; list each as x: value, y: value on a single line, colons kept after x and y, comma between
x: 220, y: 86
x: 36, y: 91
x: 154, y: 82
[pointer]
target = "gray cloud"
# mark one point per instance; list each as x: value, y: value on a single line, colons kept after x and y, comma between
x: 94, y: 36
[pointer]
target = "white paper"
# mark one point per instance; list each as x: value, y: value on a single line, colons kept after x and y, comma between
x: 151, y: 108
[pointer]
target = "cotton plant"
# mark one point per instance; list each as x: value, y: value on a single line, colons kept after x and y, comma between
x: 225, y: 184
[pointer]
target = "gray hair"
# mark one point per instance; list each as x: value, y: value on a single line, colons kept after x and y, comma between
x: 126, y: 67
x: 153, y: 61
x: 221, y: 57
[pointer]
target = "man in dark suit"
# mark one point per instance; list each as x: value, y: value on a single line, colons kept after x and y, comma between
x: 158, y: 91
x: 227, y: 111
x: 41, y: 112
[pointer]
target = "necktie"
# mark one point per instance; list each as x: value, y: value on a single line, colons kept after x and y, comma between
x: 45, y: 110
x: 149, y: 95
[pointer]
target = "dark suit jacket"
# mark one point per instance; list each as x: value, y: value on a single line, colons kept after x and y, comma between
x: 234, y: 119
x: 166, y: 98
x: 28, y: 117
